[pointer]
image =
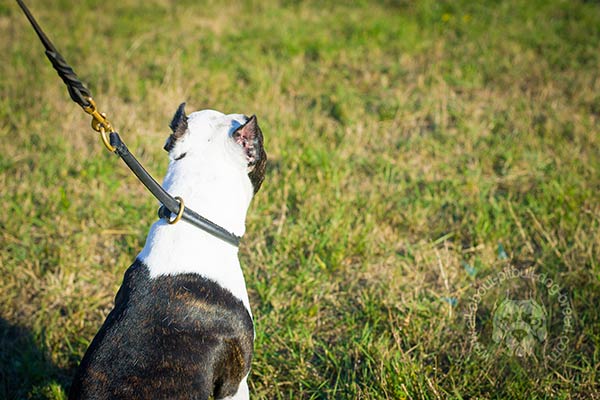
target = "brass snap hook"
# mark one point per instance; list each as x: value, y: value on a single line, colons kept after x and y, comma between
x: 106, y: 141
x: 100, y: 123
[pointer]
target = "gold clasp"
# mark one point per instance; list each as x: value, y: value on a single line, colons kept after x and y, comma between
x: 100, y: 123
x: 105, y: 140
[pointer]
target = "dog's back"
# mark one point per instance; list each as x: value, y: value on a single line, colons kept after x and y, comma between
x: 164, y: 332
x: 182, y: 327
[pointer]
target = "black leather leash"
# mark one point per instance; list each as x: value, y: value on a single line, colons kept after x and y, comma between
x: 82, y: 96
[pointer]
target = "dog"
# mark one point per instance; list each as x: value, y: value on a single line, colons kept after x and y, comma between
x: 181, y: 326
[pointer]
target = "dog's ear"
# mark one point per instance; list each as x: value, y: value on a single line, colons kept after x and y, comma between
x: 178, y: 125
x: 250, y: 137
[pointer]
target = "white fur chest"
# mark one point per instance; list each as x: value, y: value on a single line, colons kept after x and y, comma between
x: 183, y: 248
x: 208, y: 170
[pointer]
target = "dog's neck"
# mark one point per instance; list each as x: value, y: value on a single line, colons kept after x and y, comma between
x: 221, y: 194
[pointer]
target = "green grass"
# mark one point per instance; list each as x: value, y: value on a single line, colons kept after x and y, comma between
x: 416, y: 149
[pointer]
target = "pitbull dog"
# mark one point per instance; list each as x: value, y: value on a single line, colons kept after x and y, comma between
x: 181, y: 327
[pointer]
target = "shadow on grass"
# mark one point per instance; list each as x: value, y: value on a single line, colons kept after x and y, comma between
x: 25, y: 370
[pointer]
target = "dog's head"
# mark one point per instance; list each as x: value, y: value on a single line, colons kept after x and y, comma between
x: 231, y: 142
x: 217, y: 164
x: 519, y: 324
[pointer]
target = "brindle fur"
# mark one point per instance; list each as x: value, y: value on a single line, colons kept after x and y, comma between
x: 165, y: 331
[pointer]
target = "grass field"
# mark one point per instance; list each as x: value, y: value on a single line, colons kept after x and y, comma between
x: 416, y: 150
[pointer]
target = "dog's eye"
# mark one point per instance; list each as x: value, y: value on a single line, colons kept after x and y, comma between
x: 181, y: 156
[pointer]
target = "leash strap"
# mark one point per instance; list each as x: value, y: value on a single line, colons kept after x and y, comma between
x: 82, y: 96
x: 77, y: 90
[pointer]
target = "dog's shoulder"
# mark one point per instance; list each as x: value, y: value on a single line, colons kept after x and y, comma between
x: 169, y: 337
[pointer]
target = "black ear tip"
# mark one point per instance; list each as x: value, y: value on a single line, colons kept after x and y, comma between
x: 179, y: 121
x: 181, y: 110
x: 252, y: 122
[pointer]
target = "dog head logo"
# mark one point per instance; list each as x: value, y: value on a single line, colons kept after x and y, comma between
x: 519, y: 324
